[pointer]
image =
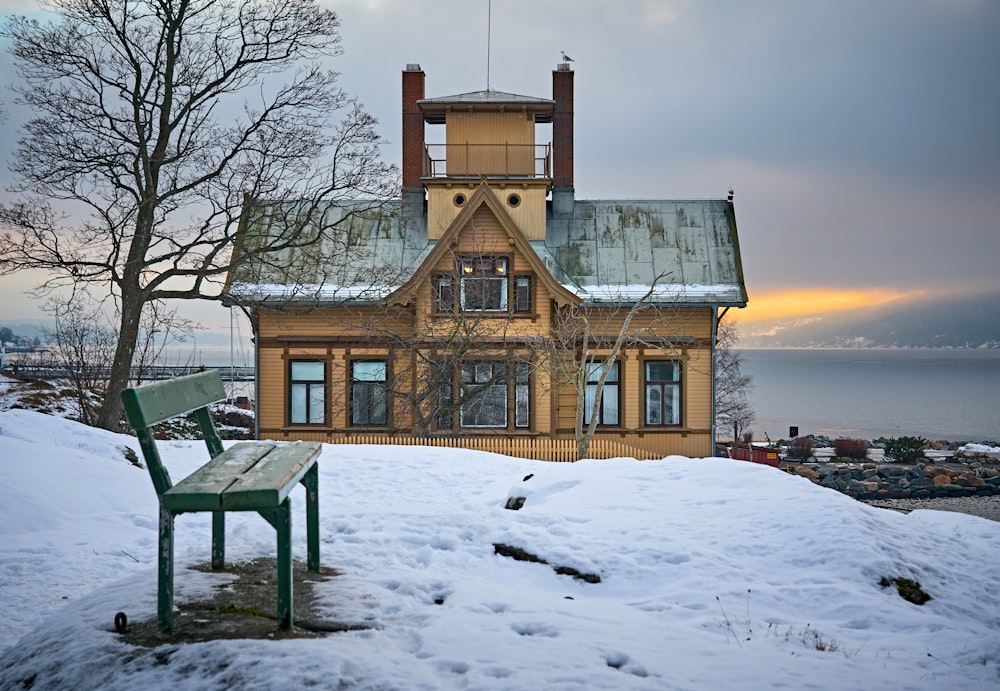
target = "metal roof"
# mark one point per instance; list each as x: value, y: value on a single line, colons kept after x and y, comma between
x: 688, y: 248
x: 608, y: 251
x: 436, y: 109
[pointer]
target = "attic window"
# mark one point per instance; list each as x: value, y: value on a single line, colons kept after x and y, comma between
x: 459, y: 199
x: 514, y: 200
x: 484, y: 284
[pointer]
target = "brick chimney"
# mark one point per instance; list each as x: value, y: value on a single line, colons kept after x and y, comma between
x: 413, y: 142
x: 562, y: 141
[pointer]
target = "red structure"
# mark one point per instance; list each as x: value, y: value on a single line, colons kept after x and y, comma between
x: 756, y: 454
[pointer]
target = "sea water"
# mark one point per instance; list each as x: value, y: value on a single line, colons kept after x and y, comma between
x: 869, y: 393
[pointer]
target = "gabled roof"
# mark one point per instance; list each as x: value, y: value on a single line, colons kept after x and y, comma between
x: 606, y: 252
x: 435, y: 109
x: 483, y: 197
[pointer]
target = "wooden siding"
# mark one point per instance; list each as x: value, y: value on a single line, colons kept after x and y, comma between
x: 529, y: 215
x: 675, y: 325
x: 326, y: 323
x: 441, y: 207
x: 553, y: 409
x: 696, y: 395
x: 486, y: 134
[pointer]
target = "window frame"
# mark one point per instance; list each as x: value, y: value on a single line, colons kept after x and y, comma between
x: 368, y: 384
x: 445, y: 304
x: 675, y: 385
x: 594, y: 368
x: 470, y: 271
x: 517, y: 394
x: 530, y: 297
x: 323, y: 384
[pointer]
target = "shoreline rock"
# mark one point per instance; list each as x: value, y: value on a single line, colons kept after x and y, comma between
x: 974, y: 477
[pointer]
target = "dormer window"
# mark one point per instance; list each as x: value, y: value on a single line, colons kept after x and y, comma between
x: 484, y: 282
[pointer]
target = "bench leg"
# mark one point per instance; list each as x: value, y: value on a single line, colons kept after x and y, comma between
x: 165, y: 576
x: 311, y: 481
x: 283, y: 526
x: 218, y: 539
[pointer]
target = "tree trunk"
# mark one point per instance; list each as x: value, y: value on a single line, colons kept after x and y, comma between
x: 121, y: 364
x: 583, y: 434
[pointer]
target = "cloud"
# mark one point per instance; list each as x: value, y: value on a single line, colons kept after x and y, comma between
x: 860, y: 137
x: 21, y: 6
x: 813, y: 303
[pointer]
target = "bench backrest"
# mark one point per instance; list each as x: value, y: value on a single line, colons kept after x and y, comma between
x: 151, y: 404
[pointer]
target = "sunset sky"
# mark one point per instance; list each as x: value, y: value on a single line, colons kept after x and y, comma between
x: 861, y: 137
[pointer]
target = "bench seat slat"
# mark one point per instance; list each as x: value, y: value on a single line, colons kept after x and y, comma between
x: 269, y: 482
x: 202, y: 489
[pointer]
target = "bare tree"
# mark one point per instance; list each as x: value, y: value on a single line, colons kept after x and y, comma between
x: 733, y: 409
x: 82, y: 344
x: 586, y: 345
x: 160, y: 324
x: 154, y: 121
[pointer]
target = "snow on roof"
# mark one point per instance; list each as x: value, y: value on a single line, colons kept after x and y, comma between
x: 682, y: 293
x: 322, y: 292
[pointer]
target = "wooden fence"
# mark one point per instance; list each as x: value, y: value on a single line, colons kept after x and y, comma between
x: 537, y: 448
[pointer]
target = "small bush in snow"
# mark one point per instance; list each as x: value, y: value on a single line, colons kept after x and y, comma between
x: 856, y: 449
x: 800, y: 448
x: 905, y: 449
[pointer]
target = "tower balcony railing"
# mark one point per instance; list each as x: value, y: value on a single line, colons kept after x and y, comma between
x: 489, y: 160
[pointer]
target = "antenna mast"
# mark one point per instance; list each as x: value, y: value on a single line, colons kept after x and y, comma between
x: 489, y: 35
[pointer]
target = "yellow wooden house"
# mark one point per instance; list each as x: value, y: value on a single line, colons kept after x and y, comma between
x: 489, y: 308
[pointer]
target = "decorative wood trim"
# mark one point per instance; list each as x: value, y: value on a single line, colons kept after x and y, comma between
x: 482, y: 196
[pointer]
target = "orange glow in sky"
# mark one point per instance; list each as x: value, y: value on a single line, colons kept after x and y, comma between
x: 812, y: 302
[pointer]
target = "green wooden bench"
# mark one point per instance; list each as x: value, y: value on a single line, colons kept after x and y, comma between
x: 249, y: 476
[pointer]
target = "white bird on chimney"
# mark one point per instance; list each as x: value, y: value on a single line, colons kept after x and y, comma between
x: 566, y: 58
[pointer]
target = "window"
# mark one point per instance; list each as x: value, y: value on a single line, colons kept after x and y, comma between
x: 484, y: 284
x: 522, y: 294
x: 607, y: 412
x: 307, y: 392
x: 488, y: 388
x: 444, y: 293
x: 368, y: 393
x: 663, y: 393
x: 485, y: 384
x: 522, y: 396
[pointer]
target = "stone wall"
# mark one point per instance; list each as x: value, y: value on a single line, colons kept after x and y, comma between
x: 928, y: 480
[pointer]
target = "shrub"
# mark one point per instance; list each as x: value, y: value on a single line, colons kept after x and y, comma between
x: 800, y: 448
x: 856, y: 449
x: 905, y: 449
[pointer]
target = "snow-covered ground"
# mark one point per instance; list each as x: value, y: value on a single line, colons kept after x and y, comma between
x: 715, y: 574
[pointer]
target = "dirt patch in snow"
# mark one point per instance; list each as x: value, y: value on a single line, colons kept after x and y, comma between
x: 243, y: 608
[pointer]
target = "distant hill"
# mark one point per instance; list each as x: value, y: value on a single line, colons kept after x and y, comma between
x: 966, y: 322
